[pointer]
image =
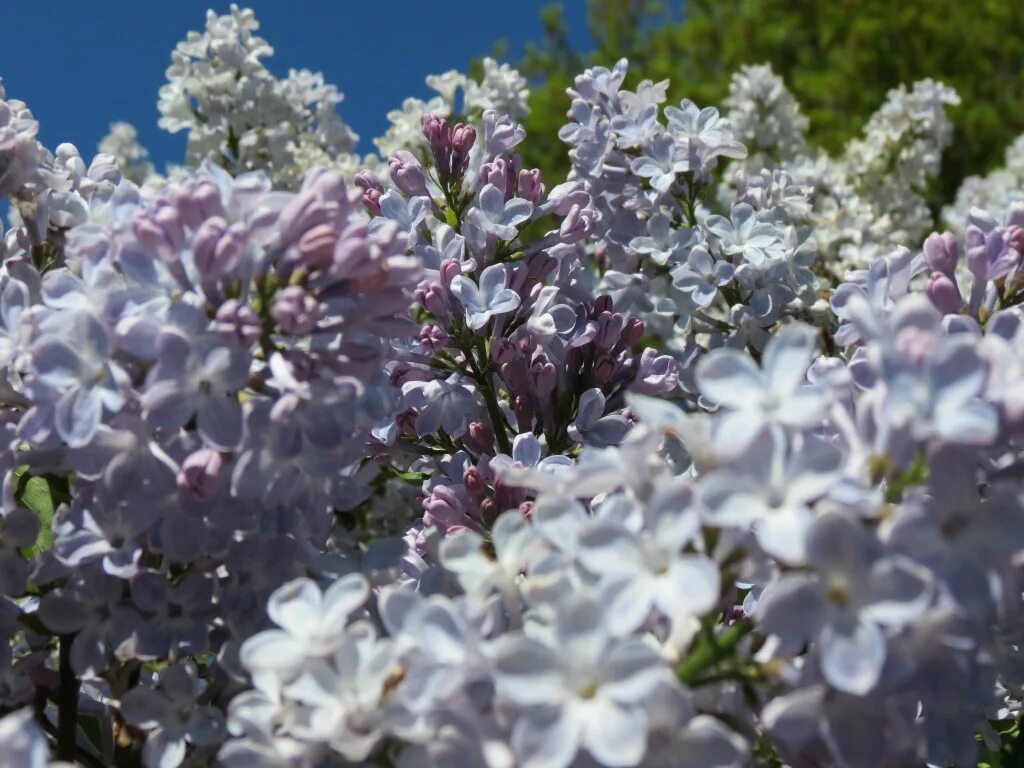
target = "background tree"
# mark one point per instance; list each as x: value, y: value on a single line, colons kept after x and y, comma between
x: 839, y: 58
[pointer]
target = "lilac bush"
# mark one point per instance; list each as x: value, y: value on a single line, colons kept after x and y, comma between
x: 703, y: 456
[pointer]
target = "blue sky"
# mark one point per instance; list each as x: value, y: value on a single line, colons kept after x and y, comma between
x: 82, y: 65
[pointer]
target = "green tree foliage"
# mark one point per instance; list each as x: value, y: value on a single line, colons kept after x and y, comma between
x: 839, y: 57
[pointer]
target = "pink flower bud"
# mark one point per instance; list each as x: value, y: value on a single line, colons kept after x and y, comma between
x: 407, y: 174
x: 530, y: 186
x: 632, y: 332
x: 434, y: 338
x: 941, y: 253
x: 480, y: 436
x: 944, y: 293
x: 475, y: 484
x: 295, y: 311
x: 367, y: 180
x: 602, y: 304
x: 238, y: 322
x: 543, y: 377
x: 316, y: 247
x: 502, y: 350
x: 202, y: 474
x: 524, y: 413
x: 371, y: 199
x: 463, y: 138
x: 449, y: 269
x: 217, y: 248
x: 609, y: 330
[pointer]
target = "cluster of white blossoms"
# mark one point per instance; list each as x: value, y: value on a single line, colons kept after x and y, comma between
x: 469, y: 466
x: 996, y: 192
x: 870, y: 198
x: 239, y: 115
x: 132, y: 159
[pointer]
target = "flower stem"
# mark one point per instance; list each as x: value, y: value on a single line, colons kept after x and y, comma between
x: 710, y: 650
x: 67, y: 702
x: 490, y: 399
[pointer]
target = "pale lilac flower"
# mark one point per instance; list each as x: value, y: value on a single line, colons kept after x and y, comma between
x: 496, y: 216
x: 491, y: 298
x: 701, y: 276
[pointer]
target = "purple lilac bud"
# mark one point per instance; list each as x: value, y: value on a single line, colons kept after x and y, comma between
x: 475, y: 484
x: 371, y: 199
x: 161, y: 230
x: 372, y: 190
x: 316, y: 247
x: 407, y: 174
x: 367, y: 180
x: 202, y: 474
x: 463, y: 138
x: 449, y: 270
x: 602, y: 304
x: 479, y: 437
x: 503, y: 350
x: 443, y: 508
x: 944, y: 293
x: 238, y: 322
x: 499, y: 173
x: 543, y: 377
x: 198, y: 202
x: 941, y: 253
x: 295, y: 311
x: 530, y: 186
x: 439, y: 138
x: 1015, y: 238
x: 434, y: 299
x: 632, y: 332
x: 434, y: 338
x: 609, y: 330
x: 217, y: 248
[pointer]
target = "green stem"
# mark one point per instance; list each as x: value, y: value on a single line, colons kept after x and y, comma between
x: 67, y: 702
x: 490, y: 399
x: 711, y: 650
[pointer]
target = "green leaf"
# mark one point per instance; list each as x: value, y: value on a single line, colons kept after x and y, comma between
x: 41, y: 494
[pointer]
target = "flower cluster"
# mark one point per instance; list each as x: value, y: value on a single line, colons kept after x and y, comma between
x: 452, y: 463
x: 240, y: 116
x: 870, y: 198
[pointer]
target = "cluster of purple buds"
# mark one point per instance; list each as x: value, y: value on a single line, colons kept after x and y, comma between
x: 449, y: 145
x: 993, y: 257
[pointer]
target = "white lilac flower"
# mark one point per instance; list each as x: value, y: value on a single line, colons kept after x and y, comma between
x: 171, y: 713
x: 497, y: 216
x: 22, y: 742
x: 490, y: 298
x: 773, y: 393
x: 663, y: 162
x: 743, y: 234
x: 701, y: 276
x: 446, y: 404
x: 575, y: 686
x: 310, y: 621
x: 771, y: 489
x: 592, y: 426
x: 853, y: 596
x: 663, y: 243
x: 649, y: 570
